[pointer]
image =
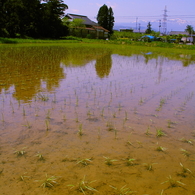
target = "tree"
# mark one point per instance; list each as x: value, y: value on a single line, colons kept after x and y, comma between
x: 105, y: 18
x: 110, y: 20
x: 149, y: 29
x: 189, y: 29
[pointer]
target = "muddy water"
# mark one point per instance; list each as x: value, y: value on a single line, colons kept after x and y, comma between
x: 85, y: 121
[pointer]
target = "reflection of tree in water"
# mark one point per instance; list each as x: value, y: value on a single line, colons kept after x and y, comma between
x: 103, y: 65
x: 26, y: 68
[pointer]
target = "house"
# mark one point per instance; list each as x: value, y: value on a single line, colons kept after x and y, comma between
x: 179, y: 33
x: 185, y: 39
x: 88, y: 29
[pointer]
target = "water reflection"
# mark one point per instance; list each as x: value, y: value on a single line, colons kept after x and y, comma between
x: 103, y: 65
x: 30, y: 70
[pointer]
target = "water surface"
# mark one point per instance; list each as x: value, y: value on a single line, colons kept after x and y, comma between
x: 83, y: 108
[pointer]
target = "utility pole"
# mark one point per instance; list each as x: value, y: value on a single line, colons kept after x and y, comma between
x: 164, y: 23
x: 159, y: 25
x: 136, y: 22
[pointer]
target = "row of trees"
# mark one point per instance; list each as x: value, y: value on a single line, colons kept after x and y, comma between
x: 33, y: 18
x: 41, y: 19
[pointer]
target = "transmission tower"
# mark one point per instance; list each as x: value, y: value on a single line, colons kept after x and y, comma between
x: 164, y: 22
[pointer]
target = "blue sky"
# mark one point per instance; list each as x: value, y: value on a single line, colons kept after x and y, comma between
x: 179, y: 12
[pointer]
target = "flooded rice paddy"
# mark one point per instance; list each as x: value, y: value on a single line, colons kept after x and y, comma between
x: 87, y: 120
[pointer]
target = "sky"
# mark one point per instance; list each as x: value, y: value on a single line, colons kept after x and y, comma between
x: 180, y: 12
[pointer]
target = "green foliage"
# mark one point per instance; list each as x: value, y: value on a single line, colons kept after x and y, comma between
x: 32, y: 18
x: 189, y: 29
x: 105, y: 18
x: 149, y: 28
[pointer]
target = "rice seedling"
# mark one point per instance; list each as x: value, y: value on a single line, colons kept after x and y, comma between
x: 126, y: 117
x: 47, y: 125
x: 123, y: 190
x: 80, y: 131
x: 2, y: 119
x: 184, y: 172
x: 48, y: 114
x: 149, y: 166
x: 170, y: 123
x: 43, y: 97
x: 23, y: 112
x: 83, y: 186
x: 40, y: 156
x: 20, y: 152
x: 22, y: 177
x: 64, y: 117
x: 85, y: 161
x: 130, y: 162
x: 49, y: 182
x: 161, y: 149
x: 148, y: 131
x: 189, y: 141
x: 173, y: 183
x: 185, y: 152
x: 110, y: 126
x: 108, y: 161
x: 160, y: 133
x: 28, y: 125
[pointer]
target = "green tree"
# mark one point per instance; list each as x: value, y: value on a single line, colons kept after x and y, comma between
x: 105, y: 18
x: 149, y: 28
x: 110, y: 20
x: 189, y: 29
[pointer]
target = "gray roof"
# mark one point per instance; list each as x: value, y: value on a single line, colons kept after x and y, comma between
x: 179, y: 32
x: 85, y: 19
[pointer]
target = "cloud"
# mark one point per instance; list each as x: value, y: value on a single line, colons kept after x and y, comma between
x: 178, y: 21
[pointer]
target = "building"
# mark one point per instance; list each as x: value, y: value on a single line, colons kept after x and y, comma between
x: 88, y: 29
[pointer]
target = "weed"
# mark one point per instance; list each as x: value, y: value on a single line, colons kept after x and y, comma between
x: 123, y: 190
x: 108, y: 161
x: 83, y: 186
x: 173, y: 183
x: 170, y: 123
x: 48, y: 182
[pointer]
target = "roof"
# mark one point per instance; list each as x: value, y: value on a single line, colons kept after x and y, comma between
x: 178, y: 32
x: 85, y: 19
